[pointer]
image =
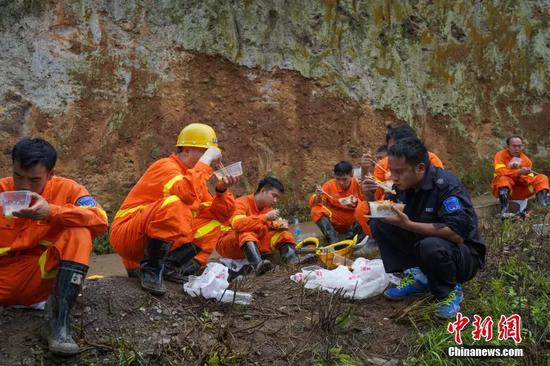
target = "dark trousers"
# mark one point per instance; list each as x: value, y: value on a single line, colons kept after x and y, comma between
x: 443, y: 262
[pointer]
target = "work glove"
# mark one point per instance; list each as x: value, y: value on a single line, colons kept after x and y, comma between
x: 210, y: 155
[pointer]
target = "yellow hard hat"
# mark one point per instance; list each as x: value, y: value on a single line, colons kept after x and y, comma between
x: 342, y: 248
x: 197, y: 135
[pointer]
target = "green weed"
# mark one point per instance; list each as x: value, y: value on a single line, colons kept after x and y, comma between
x: 516, y: 281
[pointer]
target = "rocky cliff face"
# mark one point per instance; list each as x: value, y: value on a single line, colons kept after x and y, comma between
x: 290, y: 86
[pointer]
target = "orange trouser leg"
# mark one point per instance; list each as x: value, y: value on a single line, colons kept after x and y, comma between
x: 340, y: 219
x: 128, y: 264
x: 207, y: 244
x: 502, y: 182
x: 229, y: 247
x: 360, y: 212
x: 230, y: 244
x: 540, y: 182
x: 318, y: 212
x: 169, y: 220
x: 521, y: 188
x: 272, y: 240
x: 28, y: 278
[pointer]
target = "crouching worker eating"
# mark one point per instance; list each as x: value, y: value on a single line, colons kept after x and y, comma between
x: 257, y: 229
x: 437, y: 231
x: 45, y: 248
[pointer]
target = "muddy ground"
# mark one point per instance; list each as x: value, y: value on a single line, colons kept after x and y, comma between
x: 115, y: 321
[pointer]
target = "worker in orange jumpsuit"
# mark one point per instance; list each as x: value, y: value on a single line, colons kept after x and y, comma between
x: 256, y: 229
x: 210, y: 222
x: 381, y: 172
x: 155, y: 224
x: 45, y: 248
x: 513, y: 177
x: 334, y: 203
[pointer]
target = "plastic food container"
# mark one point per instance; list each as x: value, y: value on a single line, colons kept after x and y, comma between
x: 14, y: 201
x: 357, y: 173
x: 383, y: 208
x: 235, y: 170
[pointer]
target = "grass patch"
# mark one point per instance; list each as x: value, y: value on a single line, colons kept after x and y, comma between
x: 101, y: 244
x: 337, y: 358
x: 476, y: 175
x: 516, y: 280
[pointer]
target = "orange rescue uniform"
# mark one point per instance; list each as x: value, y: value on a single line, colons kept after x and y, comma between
x: 211, y: 222
x: 341, y: 217
x: 383, y: 174
x: 520, y: 186
x: 163, y: 205
x: 250, y: 224
x: 30, y: 250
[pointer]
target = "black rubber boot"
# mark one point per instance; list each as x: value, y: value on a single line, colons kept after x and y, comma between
x: 288, y: 253
x: 253, y: 256
x: 176, y: 259
x: 355, y: 229
x: 191, y: 268
x: 132, y: 272
x: 327, y: 229
x: 543, y: 198
x: 503, y: 198
x: 70, y: 276
x: 152, y: 267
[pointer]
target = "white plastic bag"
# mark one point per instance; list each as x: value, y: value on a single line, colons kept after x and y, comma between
x: 212, y: 284
x: 368, y: 278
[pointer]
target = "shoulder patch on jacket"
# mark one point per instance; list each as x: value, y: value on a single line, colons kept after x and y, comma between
x: 451, y: 204
x: 86, y: 201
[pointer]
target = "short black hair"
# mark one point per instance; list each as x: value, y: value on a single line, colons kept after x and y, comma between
x: 412, y: 149
x: 343, y: 168
x: 31, y: 152
x: 399, y: 133
x: 383, y: 148
x: 513, y: 137
x: 270, y: 183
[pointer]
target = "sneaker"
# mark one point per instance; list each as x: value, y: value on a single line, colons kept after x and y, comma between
x: 407, y: 287
x: 449, y: 307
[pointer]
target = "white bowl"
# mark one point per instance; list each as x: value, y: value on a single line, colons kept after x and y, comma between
x: 14, y: 201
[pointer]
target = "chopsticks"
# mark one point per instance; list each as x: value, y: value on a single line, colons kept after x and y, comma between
x: 325, y: 192
x: 222, y: 168
x: 378, y: 165
x: 381, y: 184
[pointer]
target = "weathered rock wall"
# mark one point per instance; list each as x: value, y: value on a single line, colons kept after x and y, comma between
x: 299, y: 84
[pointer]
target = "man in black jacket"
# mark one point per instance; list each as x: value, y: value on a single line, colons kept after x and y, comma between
x: 438, y: 230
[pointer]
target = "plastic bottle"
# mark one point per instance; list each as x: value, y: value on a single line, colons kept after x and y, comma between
x: 241, y: 298
x: 297, y: 230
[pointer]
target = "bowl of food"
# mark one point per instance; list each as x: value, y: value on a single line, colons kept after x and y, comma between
x: 348, y: 201
x: 13, y: 201
x: 280, y: 224
x: 381, y: 209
